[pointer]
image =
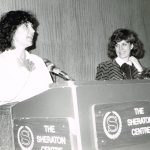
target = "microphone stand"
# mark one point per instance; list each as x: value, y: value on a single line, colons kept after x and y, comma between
x: 50, y: 67
x: 53, y: 76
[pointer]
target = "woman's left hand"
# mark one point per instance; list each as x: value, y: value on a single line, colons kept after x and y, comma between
x: 30, y: 65
x: 136, y: 63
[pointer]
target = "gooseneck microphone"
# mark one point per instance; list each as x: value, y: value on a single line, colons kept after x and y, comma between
x: 56, y: 71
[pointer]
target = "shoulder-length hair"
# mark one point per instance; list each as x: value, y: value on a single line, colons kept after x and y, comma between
x: 130, y: 37
x: 9, y: 23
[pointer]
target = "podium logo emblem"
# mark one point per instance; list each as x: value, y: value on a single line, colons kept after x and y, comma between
x: 25, y: 138
x: 112, y: 125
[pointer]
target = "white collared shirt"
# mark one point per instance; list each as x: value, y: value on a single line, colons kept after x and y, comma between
x: 121, y: 61
x: 17, y: 83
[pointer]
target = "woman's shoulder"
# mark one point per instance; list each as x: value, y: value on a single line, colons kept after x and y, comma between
x: 34, y: 57
x: 36, y: 60
x: 107, y: 63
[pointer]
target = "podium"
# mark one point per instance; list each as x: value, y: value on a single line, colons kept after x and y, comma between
x: 98, y: 115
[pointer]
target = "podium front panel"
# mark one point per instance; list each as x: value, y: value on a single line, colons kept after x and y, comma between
x: 110, y: 93
x: 54, y: 104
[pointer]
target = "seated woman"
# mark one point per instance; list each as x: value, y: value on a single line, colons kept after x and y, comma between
x: 124, y: 49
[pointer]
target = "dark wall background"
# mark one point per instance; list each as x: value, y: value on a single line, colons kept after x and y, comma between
x: 73, y: 34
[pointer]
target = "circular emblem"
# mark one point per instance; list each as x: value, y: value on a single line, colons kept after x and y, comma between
x: 25, y: 138
x: 112, y: 125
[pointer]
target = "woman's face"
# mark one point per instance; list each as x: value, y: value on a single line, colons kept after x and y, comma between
x: 123, y: 49
x: 24, y: 35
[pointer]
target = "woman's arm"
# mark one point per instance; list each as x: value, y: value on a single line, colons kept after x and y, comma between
x: 102, y: 71
x: 136, y: 63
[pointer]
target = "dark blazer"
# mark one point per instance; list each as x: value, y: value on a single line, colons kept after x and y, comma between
x: 110, y: 70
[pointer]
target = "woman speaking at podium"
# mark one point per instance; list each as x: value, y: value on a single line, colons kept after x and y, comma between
x: 124, y: 50
x: 22, y: 74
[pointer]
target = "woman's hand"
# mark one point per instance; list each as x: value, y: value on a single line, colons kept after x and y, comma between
x: 30, y: 65
x: 136, y: 63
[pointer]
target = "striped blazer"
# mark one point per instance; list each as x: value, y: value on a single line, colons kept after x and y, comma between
x: 110, y: 70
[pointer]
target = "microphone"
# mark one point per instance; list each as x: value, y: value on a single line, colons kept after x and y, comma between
x: 61, y: 73
x: 58, y: 72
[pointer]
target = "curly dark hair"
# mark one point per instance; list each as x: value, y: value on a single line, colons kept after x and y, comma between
x: 9, y: 23
x: 130, y: 37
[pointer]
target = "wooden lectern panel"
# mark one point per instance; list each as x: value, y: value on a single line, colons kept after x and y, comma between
x: 112, y: 93
x: 56, y: 105
x: 56, y: 102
